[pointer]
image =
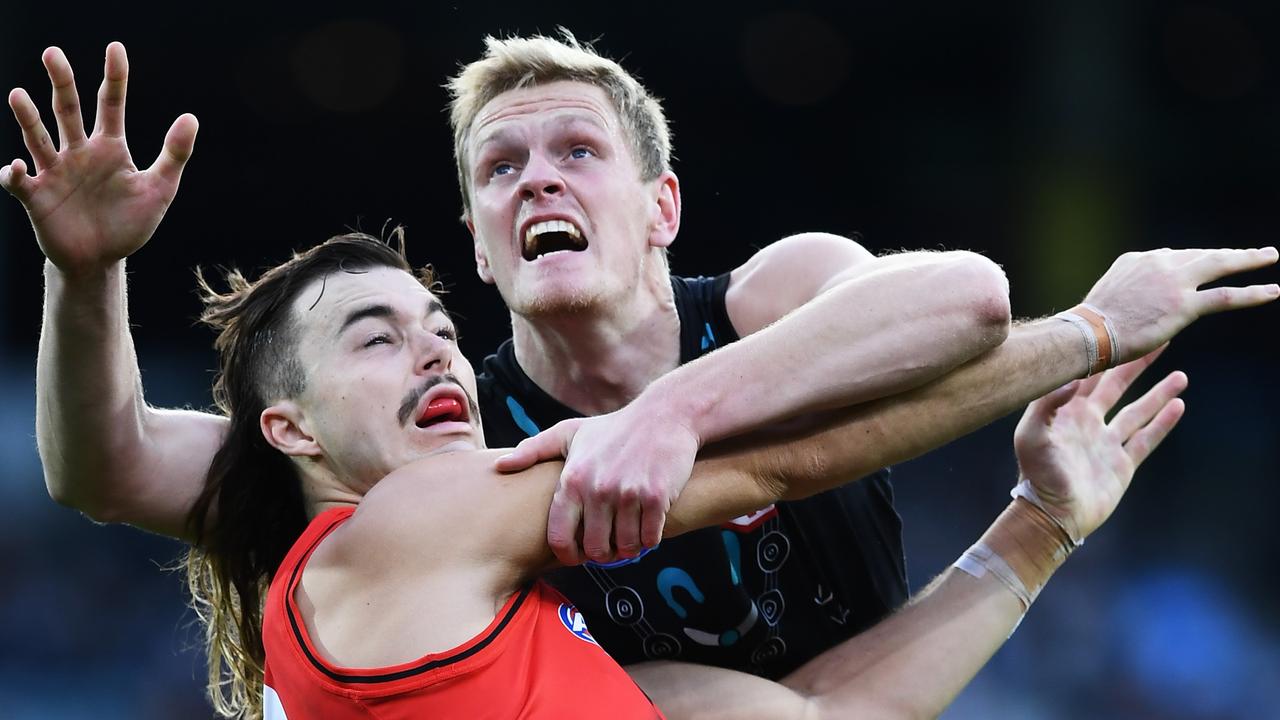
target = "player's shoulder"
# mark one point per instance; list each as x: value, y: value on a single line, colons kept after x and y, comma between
x: 431, y: 485
x: 786, y: 274
x: 455, y: 508
x: 816, y: 250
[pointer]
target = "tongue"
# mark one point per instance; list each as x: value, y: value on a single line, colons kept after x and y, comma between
x: 441, y: 409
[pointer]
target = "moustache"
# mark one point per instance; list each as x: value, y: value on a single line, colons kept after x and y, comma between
x: 411, y: 400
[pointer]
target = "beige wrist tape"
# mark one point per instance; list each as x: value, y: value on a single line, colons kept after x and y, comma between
x: 979, y: 559
x: 1068, y: 527
x: 1098, y: 333
x: 1021, y: 549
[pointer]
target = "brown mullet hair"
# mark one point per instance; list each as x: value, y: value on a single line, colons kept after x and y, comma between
x: 251, y: 510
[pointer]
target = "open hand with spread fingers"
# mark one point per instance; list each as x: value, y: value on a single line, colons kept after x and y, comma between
x: 1151, y: 296
x: 1078, y: 463
x: 89, y: 204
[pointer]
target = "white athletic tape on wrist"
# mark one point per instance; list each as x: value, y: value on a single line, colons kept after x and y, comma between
x: 1069, y: 527
x: 979, y: 560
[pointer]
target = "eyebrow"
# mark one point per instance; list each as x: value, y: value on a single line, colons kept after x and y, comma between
x: 379, y: 310
x: 504, y: 135
x: 569, y: 120
x: 499, y: 136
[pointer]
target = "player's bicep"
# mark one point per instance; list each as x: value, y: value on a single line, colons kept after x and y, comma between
x: 788, y: 274
x: 683, y: 691
x: 162, y: 482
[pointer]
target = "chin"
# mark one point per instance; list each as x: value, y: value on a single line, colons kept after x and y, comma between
x: 459, y: 445
x: 559, y: 301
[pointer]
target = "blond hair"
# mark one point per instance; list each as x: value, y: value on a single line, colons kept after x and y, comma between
x: 523, y: 62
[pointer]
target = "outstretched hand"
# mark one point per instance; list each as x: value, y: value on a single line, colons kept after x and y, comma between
x: 622, y: 473
x: 1151, y: 296
x: 1078, y: 463
x: 89, y: 204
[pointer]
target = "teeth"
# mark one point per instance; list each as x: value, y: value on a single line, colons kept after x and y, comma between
x: 547, y: 226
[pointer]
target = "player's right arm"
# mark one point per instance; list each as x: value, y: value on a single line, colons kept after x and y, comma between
x: 914, y: 663
x: 103, y: 449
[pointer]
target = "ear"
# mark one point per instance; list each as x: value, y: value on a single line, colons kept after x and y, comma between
x: 284, y: 428
x: 665, y: 221
x: 482, y: 260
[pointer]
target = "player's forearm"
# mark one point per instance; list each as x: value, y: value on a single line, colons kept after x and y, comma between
x: 104, y: 452
x: 914, y: 663
x: 88, y: 397
x: 830, y: 449
x: 1036, y: 358
x: 871, y: 336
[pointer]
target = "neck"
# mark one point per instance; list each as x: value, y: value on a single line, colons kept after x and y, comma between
x: 597, y: 360
x: 321, y: 489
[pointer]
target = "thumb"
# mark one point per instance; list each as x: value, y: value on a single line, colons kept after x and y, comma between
x: 14, y: 178
x: 550, y: 444
x: 1039, y: 414
x: 1045, y: 407
x: 179, y: 142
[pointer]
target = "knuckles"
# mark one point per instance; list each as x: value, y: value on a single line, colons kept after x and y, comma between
x: 598, y: 553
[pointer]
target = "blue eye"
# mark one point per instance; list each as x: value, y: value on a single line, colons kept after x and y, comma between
x: 503, y: 169
x: 579, y: 153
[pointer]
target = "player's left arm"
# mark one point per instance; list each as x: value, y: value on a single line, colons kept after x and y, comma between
x: 826, y: 325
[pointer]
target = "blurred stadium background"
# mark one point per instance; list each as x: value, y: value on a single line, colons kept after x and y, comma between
x: 1051, y: 136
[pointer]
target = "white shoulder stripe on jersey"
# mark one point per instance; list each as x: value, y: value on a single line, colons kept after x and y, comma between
x: 271, y: 707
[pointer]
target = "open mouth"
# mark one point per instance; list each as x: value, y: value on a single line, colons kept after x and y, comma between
x: 551, y: 236
x: 442, y: 409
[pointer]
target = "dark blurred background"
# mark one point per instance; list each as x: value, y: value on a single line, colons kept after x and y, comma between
x: 1050, y: 136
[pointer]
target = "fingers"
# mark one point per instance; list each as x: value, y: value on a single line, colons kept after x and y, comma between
x: 562, y: 529
x: 1138, y: 413
x: 1215, y: 264
x: 626, y: 527
x: 1212, y: 265
x: 1146, y: 440
x: 178, y: 144
x: 653, y: 521
x: 14, y: 178
x: 597, y: 531
x: 115, y: 80
x: 66, y: 101
x: 34, y: 135
x: 1113, y: 383
x: 1215, y: 300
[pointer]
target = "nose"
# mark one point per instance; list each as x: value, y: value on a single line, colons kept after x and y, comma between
x: 539, y: 179
x: 435, y: 354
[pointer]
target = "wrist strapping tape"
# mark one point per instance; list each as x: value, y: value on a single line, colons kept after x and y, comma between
x: 1031, y: 562
x: 979, y: 559
x: 1098, y: 333
x: 1069, y: 528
